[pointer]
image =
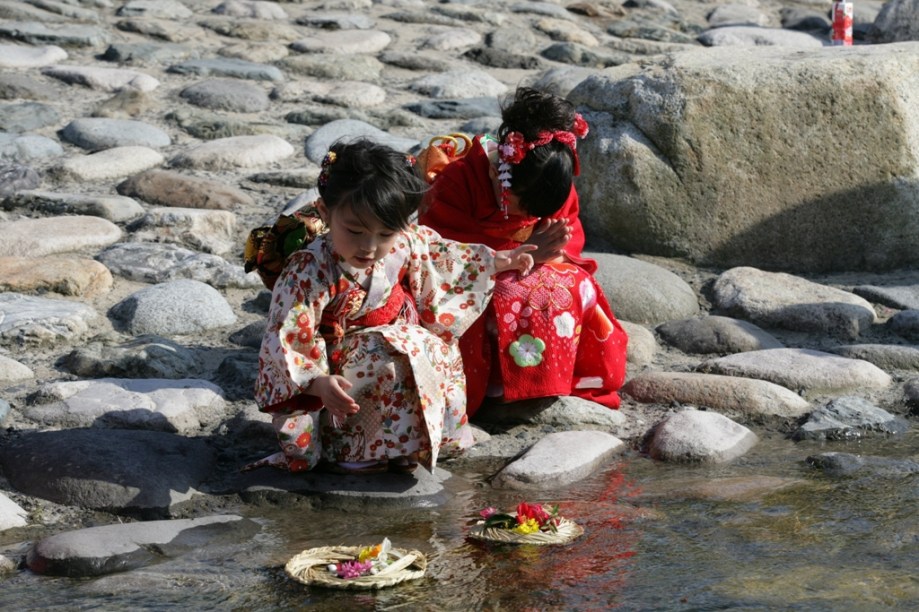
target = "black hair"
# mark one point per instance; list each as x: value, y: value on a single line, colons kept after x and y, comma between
x: 542, y: 180
x: 372, y: 179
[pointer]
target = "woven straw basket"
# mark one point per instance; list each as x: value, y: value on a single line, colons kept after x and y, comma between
x: 566, y: 532
x: 311, y: 568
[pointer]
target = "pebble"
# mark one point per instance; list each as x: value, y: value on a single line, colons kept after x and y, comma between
x: 28, y: 237
x: 226, y: 94
x: 116, y: 209
x: 103, y: 79
x: 168, y: 188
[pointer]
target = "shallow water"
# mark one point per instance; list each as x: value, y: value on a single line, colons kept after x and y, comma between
x: 654, y: 539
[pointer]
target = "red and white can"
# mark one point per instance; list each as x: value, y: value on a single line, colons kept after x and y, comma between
x: 843, y: 13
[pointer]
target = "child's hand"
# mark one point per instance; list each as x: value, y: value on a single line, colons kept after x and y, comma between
x: 550, y: 237
x: 519, y: 259
x: 333, y: 391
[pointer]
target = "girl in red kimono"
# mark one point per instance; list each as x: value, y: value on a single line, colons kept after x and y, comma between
x: 359, y: 365
x: 552, y: 332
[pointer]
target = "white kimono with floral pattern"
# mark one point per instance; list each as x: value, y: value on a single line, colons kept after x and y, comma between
x: 401, y: 355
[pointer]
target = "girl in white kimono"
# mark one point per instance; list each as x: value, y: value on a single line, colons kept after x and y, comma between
x: 359, y: 364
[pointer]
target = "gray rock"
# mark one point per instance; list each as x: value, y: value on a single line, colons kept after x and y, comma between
x: 355, y: 67
x: 27, y: 116
x: 226, y: 94
x: 108, y: 164
x: 911, y: 394
x: 692, y: 436
x: 173, y: 307
x: 23, y: 149
x: 66, y: 35
x: 897, y: 21
x: 34, y: 321
x: 211, y: 231
x: 148, y: 52
x: 459, y: 84
x: 560, y: 459
x: 15, y: 86
x: 648, y: 30
x: 167, y: 9
x: 26, y: 237
x: 318, y: 143
x: 752, y: 36
x: 496, y: 58
x: 95, y: 134
x: 12, y: 371
x: 172, y: 31
x: 142, y: 357
x: 211, y: 126
x: 849, y: 418
x: 4, y: 411
x: 228, y: 67
x: 346, y: 42
x: 728, y: 394
x: 116, y: 209
x: 420, y: 62
x: 182, y: 406
x: 250, y: 9
x: 97, y: 551
x: 642, y: 292
x: 149, y: 473
x: 14, y: 177
x: 885, y: 356
x: 337, y: 21
x: 234, y: 152
x: 11, y: 514
x: 579, y: 55
x: 167, y: 188
x: 422, y: 489
x: 714, y: 334
x: 847, y: 464
x: 777, y: 203
x: 776, y: 299
x: 557, y: 412
x: 805, y: 20
x: 736, y: 15
x: 512, y: 39
x: 467, y: 108
x: 158, y: 263
x: 546, y: 9
x: 103, y: 79
x: 814, y: 372
x: 642, y: 344
x: 19, y: 56
x: 906, y: 324
x: 251, y: 335
x: 896, y: 296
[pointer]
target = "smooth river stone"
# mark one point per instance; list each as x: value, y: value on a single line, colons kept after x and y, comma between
x: 235, y: 152
x: 343, y: 41
x: 815, y: 372
x: 103, y: 79
x: 18, y: 56
x: 229, y: 67
x: 211, y: 231
x: 459, y: 84
x: 696, y: 436
x: 114, y: 208
x: 28, y: 148
x: 27, y: 116
x: 74, y: 276
x: 251, y: 9
x: 36, y: 33
x: 95, y: 134
x: 11, y: 371
x: 109, y: 164
x: 227, y: 94
x: 154, y: 262
x: 52, y: 235
x: 318, y: 143
x: 164, y: 9
x: 167, y: 188
x: 174, y: 307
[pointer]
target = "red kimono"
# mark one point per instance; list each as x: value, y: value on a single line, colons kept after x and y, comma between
x: 550, y: 333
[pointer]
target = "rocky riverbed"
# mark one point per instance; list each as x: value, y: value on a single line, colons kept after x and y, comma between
x: 140, y: 141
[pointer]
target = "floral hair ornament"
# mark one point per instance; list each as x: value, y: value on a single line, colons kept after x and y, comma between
x: 327, y: 161
x: 515, y: 148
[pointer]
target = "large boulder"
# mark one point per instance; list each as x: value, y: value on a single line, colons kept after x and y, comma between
x: 770, y: 157
x: 897, y: 21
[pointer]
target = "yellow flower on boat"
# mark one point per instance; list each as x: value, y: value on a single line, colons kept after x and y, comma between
x: 530, y: 526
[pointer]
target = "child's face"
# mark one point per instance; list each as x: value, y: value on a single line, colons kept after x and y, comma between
x: 361, y: 242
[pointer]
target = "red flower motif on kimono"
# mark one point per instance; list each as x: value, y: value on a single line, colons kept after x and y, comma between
x: 551, y: 291
x: 446, y: 319
x: 304, y: 439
